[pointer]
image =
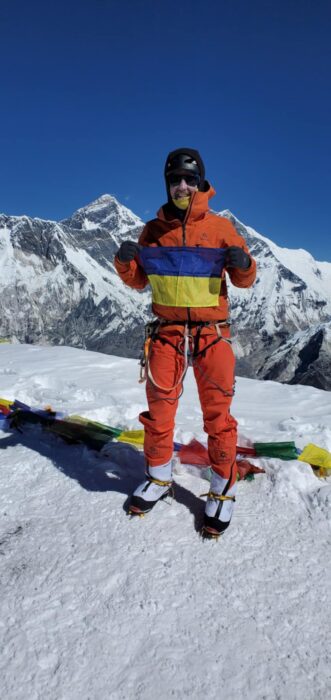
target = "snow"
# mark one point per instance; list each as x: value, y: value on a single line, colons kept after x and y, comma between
x: 91, y: 270
x: 97, y: 606
x: 89, y: 225
x: 7, y: 263
x: 28, y: 270
x: 317, y: 275
x: 105, y: 207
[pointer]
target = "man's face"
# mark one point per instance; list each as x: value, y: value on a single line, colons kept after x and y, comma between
x: 183, y: 185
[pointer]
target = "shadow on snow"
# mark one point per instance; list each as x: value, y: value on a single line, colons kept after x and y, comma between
x: 119, y: 468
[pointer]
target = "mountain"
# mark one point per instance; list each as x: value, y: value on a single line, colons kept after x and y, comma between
x: 59, y: 286
x: 289, y: 304
x: 303, y: 359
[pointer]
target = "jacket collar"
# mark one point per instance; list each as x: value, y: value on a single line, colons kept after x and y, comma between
x: 199, y: 205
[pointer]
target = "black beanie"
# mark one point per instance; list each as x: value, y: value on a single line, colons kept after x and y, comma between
x: 194, y: 164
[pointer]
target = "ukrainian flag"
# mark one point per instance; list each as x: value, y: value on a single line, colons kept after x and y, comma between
x: 184, y: 276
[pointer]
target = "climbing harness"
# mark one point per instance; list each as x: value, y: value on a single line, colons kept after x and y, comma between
x: 182, y: 349
x: 188, y: 347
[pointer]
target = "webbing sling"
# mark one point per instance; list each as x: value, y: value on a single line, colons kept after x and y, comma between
x: 152, y: 333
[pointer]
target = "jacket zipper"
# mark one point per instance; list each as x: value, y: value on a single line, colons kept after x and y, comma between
x: 184, y: 233
x: 184, y: 244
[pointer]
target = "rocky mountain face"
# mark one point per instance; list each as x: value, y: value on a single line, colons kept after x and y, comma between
x: 303, y: 359
x: 59, y: 286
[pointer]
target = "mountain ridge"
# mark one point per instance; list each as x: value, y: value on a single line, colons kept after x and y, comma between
x: 59, y: 286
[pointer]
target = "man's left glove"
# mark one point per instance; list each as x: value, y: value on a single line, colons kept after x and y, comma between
x: 127, y: 251
x: 236, y: 257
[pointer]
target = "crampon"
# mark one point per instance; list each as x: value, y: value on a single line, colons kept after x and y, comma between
x: 208, y: 533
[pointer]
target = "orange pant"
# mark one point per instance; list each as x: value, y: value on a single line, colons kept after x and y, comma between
x: 214, y: 374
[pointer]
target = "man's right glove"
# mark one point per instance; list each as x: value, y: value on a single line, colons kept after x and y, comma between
x: 127, y: 251
x: 236, y: 257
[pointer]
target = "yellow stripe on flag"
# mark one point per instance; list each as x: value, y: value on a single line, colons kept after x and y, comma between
x: 185, y: 291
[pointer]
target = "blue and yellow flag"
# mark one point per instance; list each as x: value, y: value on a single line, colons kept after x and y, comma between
x: 184, y: 276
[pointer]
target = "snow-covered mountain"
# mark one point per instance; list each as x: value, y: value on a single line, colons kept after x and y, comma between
x: 281, y: 315
x: 59, y: 286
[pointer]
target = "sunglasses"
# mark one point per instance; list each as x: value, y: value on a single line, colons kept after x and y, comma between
x: 191, y: 180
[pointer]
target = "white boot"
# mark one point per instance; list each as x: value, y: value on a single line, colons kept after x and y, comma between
x: 156, y: 486
x: 219, y: 506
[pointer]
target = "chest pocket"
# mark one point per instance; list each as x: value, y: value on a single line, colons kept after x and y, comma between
x: 184, y: 276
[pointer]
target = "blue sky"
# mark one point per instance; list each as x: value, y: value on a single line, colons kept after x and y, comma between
x: 96, y: 92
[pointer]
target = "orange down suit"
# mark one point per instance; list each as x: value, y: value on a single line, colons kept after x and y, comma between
x: 212, y: 359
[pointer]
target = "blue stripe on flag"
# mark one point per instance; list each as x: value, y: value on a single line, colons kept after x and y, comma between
x: 185, y: 261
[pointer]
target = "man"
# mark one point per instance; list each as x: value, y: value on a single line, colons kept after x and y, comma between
x: 184, y: 254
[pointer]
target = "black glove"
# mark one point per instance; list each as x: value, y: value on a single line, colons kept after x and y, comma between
x: 127, y: 251
x: 236, y: 257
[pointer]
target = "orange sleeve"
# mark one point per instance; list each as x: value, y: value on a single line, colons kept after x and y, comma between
x: 131, y: 273
x: 240, y: 278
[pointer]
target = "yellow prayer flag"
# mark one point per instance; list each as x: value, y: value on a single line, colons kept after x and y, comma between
x: 134, y: 437
x: 316, y: 455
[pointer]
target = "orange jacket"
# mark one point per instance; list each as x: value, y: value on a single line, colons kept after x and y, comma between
x: 200, y: 228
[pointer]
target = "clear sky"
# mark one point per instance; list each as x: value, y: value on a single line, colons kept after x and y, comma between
x: 94, y: 93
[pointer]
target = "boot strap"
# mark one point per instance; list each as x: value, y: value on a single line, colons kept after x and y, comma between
x: 157, y: 481
x: 216, y: 497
